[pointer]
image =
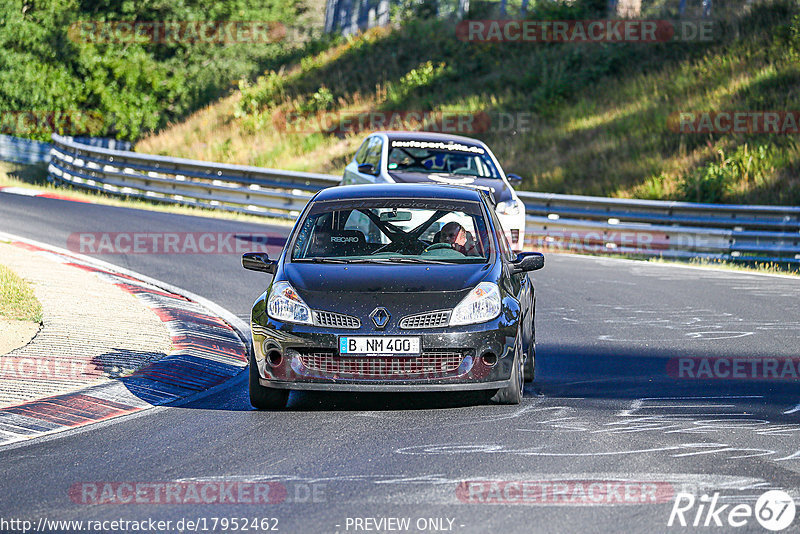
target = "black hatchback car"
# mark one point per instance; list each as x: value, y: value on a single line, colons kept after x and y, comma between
x: 402, y: 287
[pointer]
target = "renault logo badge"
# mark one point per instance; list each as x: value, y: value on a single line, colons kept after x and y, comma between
x: 380, y: 317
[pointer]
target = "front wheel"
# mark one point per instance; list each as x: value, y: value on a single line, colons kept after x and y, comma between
x: 261, y: 397
x: 512, y: 394
x: 530, y: 364
x: 530, y: 360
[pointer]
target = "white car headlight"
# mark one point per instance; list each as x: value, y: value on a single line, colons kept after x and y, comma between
x: 509, y: 207
x: 482, y: 304
x: 284, y: 304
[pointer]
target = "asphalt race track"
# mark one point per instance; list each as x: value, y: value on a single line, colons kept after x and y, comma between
x: 622, y: 401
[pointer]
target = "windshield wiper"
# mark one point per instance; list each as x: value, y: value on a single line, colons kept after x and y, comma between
x: 391, y: 259
x: 346, y: 261
x: 324, y: 260
x: 406, y: 259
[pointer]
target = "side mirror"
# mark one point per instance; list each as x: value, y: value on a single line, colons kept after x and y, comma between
x: 259, y: 261
x: 367, y: 168
x: 528, y: 261
x: 514, y: 179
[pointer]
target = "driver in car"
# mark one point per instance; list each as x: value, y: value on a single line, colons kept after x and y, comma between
x: 458, y: 238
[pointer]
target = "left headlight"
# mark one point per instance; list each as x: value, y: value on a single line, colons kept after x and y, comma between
x: 482, y: 304
x: 284, y: 304
x: 509, y: 207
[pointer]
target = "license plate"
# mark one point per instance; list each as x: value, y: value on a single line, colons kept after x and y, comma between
x: 379, y: 345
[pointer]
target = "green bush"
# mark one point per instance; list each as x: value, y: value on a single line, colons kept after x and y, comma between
x: 715, y: 181
x: 132, y: 87
x: 423, y: 76
x: 321, y: 100
x: 266, y: 92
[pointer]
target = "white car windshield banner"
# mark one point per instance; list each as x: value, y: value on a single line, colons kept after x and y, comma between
x: 438, y: 145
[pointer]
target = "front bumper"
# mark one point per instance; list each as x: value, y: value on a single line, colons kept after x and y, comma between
x: 451, y: 359
x: 374, y: 387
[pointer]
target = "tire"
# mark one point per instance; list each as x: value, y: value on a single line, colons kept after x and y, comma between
x: 530, y: 364
x: 261, y: 397
x: 530, y: 356
x: 512, y: 394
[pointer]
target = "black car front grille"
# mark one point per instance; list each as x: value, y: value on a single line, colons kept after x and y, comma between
x: 515, y: 235
x: 335, y: 320
x: 426, y: 320
x: 432, y: 363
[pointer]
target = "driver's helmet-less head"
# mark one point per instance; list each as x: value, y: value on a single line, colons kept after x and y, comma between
x: 450, y: 232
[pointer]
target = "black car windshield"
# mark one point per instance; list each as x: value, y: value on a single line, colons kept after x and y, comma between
x: 433, y: 157
x: 394, y: 231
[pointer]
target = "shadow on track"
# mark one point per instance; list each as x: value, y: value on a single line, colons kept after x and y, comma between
x: 563, y: 371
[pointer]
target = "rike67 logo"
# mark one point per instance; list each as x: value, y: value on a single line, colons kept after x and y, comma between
x: 774, y: 510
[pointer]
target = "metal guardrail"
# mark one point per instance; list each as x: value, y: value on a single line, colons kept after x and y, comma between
x: 554, y: 222
x: 205, y: 184
x: 103, y: 142
x: 19, y: 150
x: 657, y: 228
x: 28, y: 151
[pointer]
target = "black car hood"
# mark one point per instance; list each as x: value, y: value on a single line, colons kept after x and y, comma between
x: 498, y: 189
x: 372, y: 278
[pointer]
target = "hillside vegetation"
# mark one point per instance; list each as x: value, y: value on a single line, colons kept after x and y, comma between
x: 116, y: 88
x: 601, y: 110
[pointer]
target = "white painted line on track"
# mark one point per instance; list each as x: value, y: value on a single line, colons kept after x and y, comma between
x: 21, y: 191
x: 717, y: 270
x: 792, y: 410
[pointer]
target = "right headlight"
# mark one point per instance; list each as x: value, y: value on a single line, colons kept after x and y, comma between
x: 509, y: 207
x: 284, y: 304
x: 481, y: 305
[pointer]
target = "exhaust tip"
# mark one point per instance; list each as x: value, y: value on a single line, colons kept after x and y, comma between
x: 489, y: 358
x: 273, y: 356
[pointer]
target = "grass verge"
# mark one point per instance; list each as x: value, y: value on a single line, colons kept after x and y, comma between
x: 757, y: 267
x: 17, y: 301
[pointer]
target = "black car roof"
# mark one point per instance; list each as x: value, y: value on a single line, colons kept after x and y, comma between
x: 409, y: 190
x: 428, y: 136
